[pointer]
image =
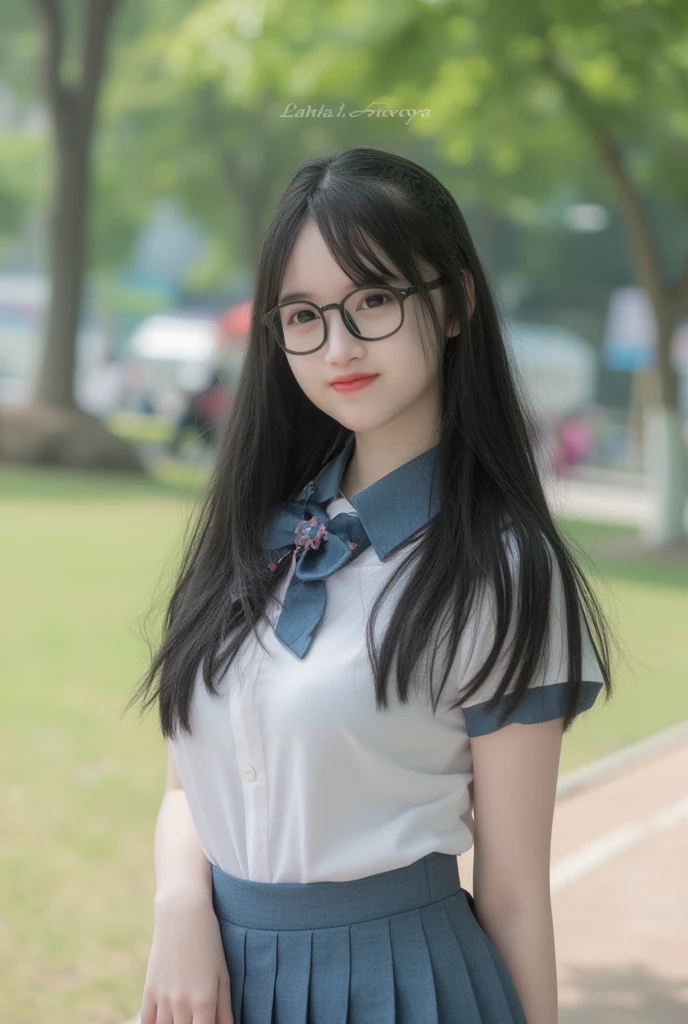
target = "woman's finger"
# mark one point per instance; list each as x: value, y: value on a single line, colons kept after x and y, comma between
x: 224, y: 1000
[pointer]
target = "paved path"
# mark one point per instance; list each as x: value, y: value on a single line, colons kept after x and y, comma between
x: 619, y: 885
x: 611, y: 495
x: 584, y: 499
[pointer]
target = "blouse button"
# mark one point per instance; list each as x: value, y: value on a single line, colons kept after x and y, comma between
x: 249, y: 772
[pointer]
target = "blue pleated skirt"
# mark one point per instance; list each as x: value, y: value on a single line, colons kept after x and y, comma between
x: 399, y: 947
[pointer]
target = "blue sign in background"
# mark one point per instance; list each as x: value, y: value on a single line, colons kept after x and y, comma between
x: 630, y: 335
x: 630, y: 332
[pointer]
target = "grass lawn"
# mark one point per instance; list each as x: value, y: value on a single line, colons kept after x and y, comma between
x: 82, y: 557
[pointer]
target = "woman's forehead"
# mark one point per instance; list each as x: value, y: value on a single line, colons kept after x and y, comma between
x: 312, y: 267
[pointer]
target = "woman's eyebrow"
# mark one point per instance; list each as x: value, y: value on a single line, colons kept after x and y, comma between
x: 290, y: 296
x: 374, y: 279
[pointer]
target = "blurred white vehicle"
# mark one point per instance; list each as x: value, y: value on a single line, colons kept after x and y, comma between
x: 169, y: 356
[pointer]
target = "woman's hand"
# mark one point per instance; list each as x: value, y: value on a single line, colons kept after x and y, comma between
x: 187, y: 981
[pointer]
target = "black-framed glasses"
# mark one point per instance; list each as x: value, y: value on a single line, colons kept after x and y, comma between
x: 370, y: 312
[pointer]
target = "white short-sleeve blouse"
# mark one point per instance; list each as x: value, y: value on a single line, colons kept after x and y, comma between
x: 292, y: 775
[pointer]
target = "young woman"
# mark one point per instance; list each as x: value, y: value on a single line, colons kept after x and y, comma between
x: 376, y: 640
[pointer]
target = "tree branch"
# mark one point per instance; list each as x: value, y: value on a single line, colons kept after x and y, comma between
x: 97, y: 14
x: 55, y: 91
x: 643, y: 245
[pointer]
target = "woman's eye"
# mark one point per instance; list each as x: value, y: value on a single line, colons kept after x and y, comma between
x: 376, y: 299
x: 301, y: 316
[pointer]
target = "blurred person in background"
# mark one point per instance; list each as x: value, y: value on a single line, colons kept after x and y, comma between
x: 576, y: 441
x: 204, y: 411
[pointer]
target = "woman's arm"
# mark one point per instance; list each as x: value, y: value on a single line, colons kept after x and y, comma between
x: 514, y: 788
x: 181, y: 868
x: 187, y: 976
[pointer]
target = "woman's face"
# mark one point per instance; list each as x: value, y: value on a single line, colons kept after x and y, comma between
x: 405, y: 388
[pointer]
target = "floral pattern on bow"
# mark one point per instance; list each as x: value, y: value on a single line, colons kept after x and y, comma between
x: 309, y: 533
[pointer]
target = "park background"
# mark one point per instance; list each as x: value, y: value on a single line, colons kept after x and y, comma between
x: 143, y: 148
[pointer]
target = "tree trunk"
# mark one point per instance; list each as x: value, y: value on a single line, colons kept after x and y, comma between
x: 666, y: 456
x: 666, y: 468
x: 55, y: 385
x: 645, y: 391
x: 51, y: 430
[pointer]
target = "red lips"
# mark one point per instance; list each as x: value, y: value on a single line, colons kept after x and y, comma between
x: 351, y: 377
x: 353, y: 382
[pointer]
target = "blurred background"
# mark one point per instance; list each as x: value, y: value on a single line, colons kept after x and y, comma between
x: 143, y: 149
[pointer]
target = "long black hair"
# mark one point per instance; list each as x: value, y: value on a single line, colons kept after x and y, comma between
x: 276, y: 440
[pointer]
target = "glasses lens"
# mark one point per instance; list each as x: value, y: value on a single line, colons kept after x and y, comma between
x: 299, y: 326
x: 373, y: 312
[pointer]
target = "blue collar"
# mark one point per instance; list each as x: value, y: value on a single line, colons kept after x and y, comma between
x: 392, y: 508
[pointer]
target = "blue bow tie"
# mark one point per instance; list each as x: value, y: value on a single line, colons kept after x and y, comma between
x: 387, y: 513
x: 322, y: 546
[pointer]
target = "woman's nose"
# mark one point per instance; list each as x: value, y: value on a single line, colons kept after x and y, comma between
x: 338, y: 333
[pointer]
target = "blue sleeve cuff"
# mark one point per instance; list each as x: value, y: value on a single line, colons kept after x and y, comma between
x: 540, y: 704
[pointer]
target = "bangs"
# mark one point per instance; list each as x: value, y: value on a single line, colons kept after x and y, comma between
x: 367, y: 229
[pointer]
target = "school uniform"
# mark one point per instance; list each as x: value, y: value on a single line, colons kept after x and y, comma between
x: 333, y: 829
